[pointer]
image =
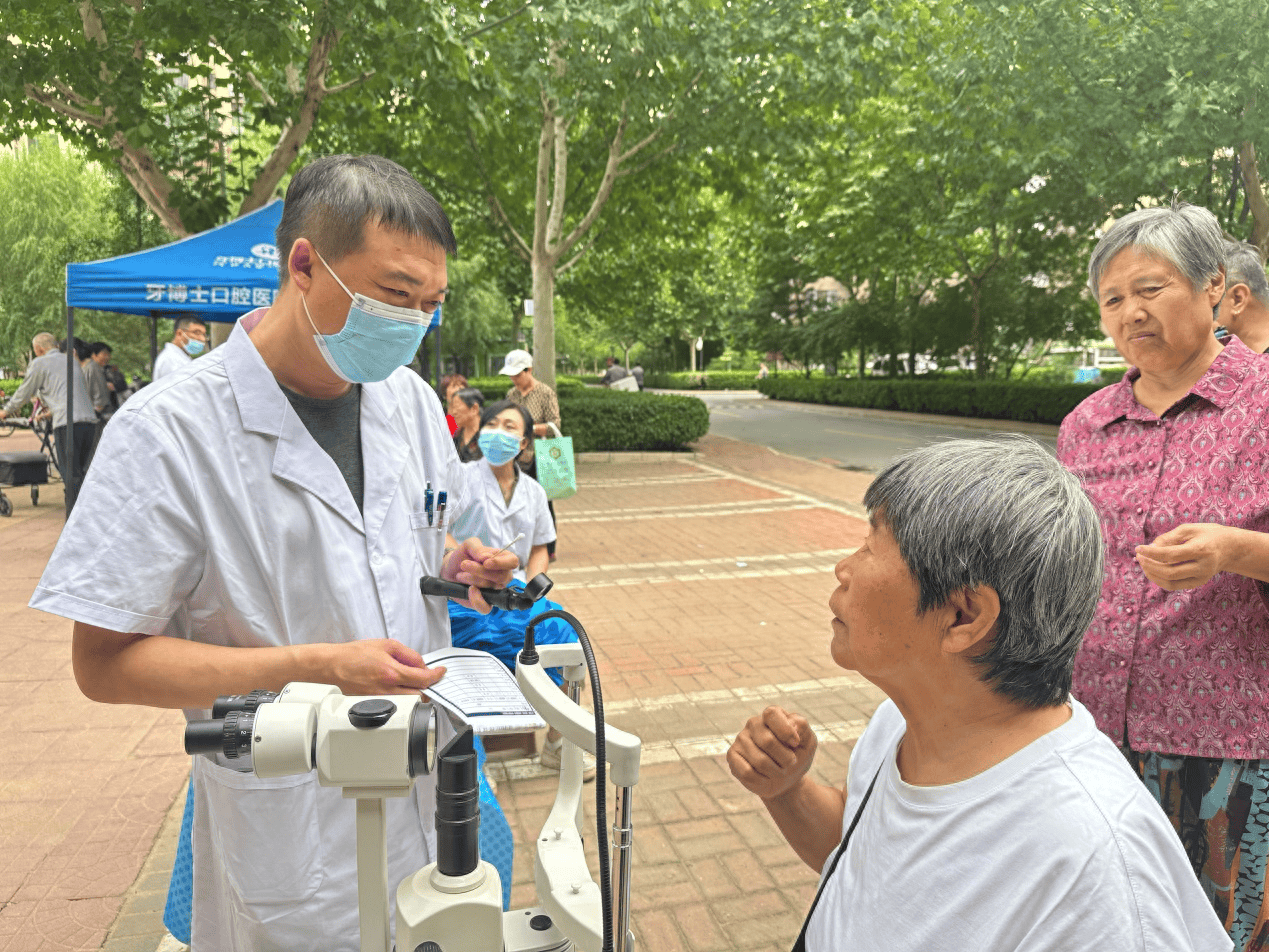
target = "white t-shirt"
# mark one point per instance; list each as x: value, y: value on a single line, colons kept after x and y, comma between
x: 1059, y: 848
x: 171, y: 359
x: 496, y: 522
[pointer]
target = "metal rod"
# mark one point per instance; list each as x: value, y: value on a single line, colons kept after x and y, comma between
x: 69, y: 483
x: 372, y: 874
x: 622, y: 851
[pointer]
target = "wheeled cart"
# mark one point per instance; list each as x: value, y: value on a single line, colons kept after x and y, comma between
x: 22, y: 469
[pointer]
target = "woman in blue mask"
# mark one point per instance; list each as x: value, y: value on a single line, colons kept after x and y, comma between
x: 508, y: 510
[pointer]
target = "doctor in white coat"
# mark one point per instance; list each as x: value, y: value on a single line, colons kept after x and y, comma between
x: 267, y: 520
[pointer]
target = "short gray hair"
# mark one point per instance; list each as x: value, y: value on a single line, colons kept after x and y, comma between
x: 1000, y: 512
x: 1186, y: 236
x: 1243, y: 266
x: 44, y: 341
x: 330, y: 202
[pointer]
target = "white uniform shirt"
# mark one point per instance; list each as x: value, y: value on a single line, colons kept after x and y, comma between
x: 489, y: 516
x: 1058, y: 848
x: 211, y: 514
x: 171, y: 358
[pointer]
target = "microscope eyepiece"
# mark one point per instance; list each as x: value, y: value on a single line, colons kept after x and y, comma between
x: 230, y: 735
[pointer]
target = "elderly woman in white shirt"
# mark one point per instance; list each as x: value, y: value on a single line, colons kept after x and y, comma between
x: 507, y: 509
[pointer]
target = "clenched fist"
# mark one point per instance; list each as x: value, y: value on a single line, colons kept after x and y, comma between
x: 772, y: 753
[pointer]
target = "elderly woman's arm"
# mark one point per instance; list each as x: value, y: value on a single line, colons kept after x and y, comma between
x: 1191, y: 554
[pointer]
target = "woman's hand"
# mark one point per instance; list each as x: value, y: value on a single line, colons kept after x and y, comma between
x: 1190, y: 555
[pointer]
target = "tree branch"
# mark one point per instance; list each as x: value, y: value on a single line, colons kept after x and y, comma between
x: 558, y: 194
x: 149, y: 182
x: 518, y: 244
x: 331, y: 90
x: 50, y: 101
x: 1255, y: 198
x: 251, y: 78
x: 577, y: 257
x: 295, y: 133
x: 494, y: 25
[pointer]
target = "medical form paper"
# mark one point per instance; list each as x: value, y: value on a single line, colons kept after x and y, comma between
x: 479, y: 689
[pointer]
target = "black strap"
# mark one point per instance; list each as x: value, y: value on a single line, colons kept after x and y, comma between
x: 800, y: 944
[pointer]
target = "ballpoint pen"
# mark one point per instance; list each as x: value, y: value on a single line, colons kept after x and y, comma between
x: 427, y: 501
x: 441, y: 498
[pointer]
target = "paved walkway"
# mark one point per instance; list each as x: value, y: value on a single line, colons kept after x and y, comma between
x: 702, y: 580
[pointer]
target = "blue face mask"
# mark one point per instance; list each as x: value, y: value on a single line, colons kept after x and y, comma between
x: 377, y: 338
x: 498, y: 446
x: 194, y: 347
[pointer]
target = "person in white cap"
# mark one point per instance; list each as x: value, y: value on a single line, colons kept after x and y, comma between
x: 543, y: 406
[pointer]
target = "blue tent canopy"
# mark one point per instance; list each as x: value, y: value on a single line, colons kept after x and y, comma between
x: 217, y: 275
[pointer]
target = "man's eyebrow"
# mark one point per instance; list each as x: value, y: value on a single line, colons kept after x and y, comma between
x: 404, y: 277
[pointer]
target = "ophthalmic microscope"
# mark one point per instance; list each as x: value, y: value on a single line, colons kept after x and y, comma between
x: 374, y: 747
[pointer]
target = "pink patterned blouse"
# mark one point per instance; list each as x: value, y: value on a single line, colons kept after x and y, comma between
x: 1185, y: 672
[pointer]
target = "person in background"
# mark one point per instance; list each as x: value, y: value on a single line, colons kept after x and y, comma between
x: 982, y: 810
x: 449, y: 385
x: 613, y: 372
x: 46, y: 379
x: 465, y: 407
x: 505, y: 502
x: 763, y: 372
x: 637, y: 372
x: 95, y: 383
x: 1244, y: 310
x: 116, y: 382
x: 1174, y: 459
x: 189, y: 339
x: 543, y: 406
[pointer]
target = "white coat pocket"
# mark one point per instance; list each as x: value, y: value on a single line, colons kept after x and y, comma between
x: 429, y: 542
x: 266, y: 834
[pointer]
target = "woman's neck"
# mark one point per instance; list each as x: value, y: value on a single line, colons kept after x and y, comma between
x: 506, y: 476
x: 1159, y: 390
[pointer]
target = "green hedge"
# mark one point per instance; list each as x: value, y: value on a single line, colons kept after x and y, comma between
x: 708, y: 380
x: 9, y: 385
x: 615, y: 420
x: 992, y: 399
x: 599, y: 419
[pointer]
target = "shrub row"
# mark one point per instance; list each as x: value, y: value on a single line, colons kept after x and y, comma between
x: 992, y: 399
x: 614, y: 420
x: 708, y: 380
x: 599, y: 419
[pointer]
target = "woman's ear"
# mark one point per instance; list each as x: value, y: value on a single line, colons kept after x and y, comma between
x: 975, y: 612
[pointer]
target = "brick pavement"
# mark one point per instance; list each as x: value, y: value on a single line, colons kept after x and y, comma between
x: 703, y: 581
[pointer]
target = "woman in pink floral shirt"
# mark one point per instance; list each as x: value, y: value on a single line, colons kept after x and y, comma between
x: 1175, y: 667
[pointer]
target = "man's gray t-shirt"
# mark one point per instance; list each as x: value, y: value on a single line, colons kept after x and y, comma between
x: 336, y: 426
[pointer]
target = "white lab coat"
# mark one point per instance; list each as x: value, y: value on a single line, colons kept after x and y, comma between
x: 171, y: 359
x: 211, y: 514
x: 489, y: 516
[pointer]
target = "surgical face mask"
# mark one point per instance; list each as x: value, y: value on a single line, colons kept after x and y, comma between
x: 194, y: 347
x: 498, y: 446
x: 377, y: 338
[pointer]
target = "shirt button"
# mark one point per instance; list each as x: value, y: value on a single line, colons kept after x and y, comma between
x: 376, y: 559
x: 1139, y: 510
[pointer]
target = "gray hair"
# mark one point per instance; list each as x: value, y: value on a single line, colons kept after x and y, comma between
x: 1000, y: 512
x: 1243, y: 266
x: 1186, y: 236
x: 471, y: 397
x: 44, y: 341
x: 330, y: 202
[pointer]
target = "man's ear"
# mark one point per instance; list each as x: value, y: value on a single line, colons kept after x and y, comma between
x: 974, y: 614
x: 300, y: 264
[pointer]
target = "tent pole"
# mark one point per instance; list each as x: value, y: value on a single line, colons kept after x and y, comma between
x: 69, y: 483
x: 154, y: 341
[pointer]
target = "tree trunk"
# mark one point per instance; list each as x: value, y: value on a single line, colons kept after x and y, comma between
x: 1255, y: 199
x: 544, y: 320
x: 976, y: 335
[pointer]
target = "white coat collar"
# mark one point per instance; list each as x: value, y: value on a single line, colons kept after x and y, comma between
x: 264, y: 409
x: 519, y: 498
